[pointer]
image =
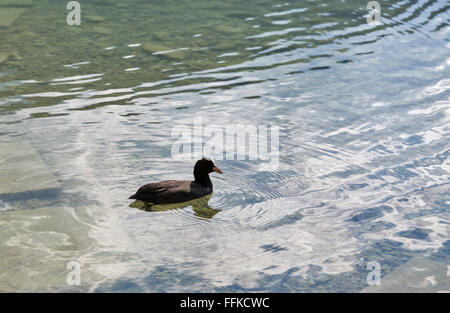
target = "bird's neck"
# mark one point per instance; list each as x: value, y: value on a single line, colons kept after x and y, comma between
x: 202, y: 179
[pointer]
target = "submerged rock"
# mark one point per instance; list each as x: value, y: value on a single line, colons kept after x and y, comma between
x: 94, y: 18
x: 154, y: 47
x: 102, y: 30
x: 224, y: 46
x: 105, y: 2
x: 9, y: 15
x: 24, y: 174
x: 160, y: 35
x: 163, y: 51
x: 120, y: 4
x: 3, y: 57
x: 225, y: 29
x: 16, y: 3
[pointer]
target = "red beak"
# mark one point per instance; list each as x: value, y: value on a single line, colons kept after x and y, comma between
x: 216, y: 169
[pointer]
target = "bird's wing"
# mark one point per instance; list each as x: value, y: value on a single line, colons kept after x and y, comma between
x: 163, y: 192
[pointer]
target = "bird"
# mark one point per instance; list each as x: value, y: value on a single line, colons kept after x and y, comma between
x: 175, y: 191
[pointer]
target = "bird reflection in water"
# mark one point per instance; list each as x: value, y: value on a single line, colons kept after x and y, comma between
x: 200, y: 206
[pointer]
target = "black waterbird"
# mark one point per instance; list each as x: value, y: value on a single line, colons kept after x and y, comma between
x: 175, y: 191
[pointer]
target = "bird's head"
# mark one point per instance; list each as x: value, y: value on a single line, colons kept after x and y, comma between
x: 206, y: 165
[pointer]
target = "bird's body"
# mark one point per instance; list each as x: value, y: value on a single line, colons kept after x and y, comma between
x: 171, y: 191
x: 175, y: 191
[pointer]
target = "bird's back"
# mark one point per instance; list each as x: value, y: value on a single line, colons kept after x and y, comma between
x: 171, y: 191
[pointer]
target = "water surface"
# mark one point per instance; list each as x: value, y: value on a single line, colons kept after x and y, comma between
x: 363, y: 112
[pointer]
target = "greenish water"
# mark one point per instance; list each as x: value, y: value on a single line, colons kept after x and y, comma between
x: 363, y: 112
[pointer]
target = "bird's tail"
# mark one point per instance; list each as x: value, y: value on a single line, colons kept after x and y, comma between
x: 132, y: 196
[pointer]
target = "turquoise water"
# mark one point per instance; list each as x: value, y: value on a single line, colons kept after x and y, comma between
x: 363, y: 112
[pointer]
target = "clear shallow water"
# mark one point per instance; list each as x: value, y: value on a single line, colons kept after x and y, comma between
x: 363, y: 113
